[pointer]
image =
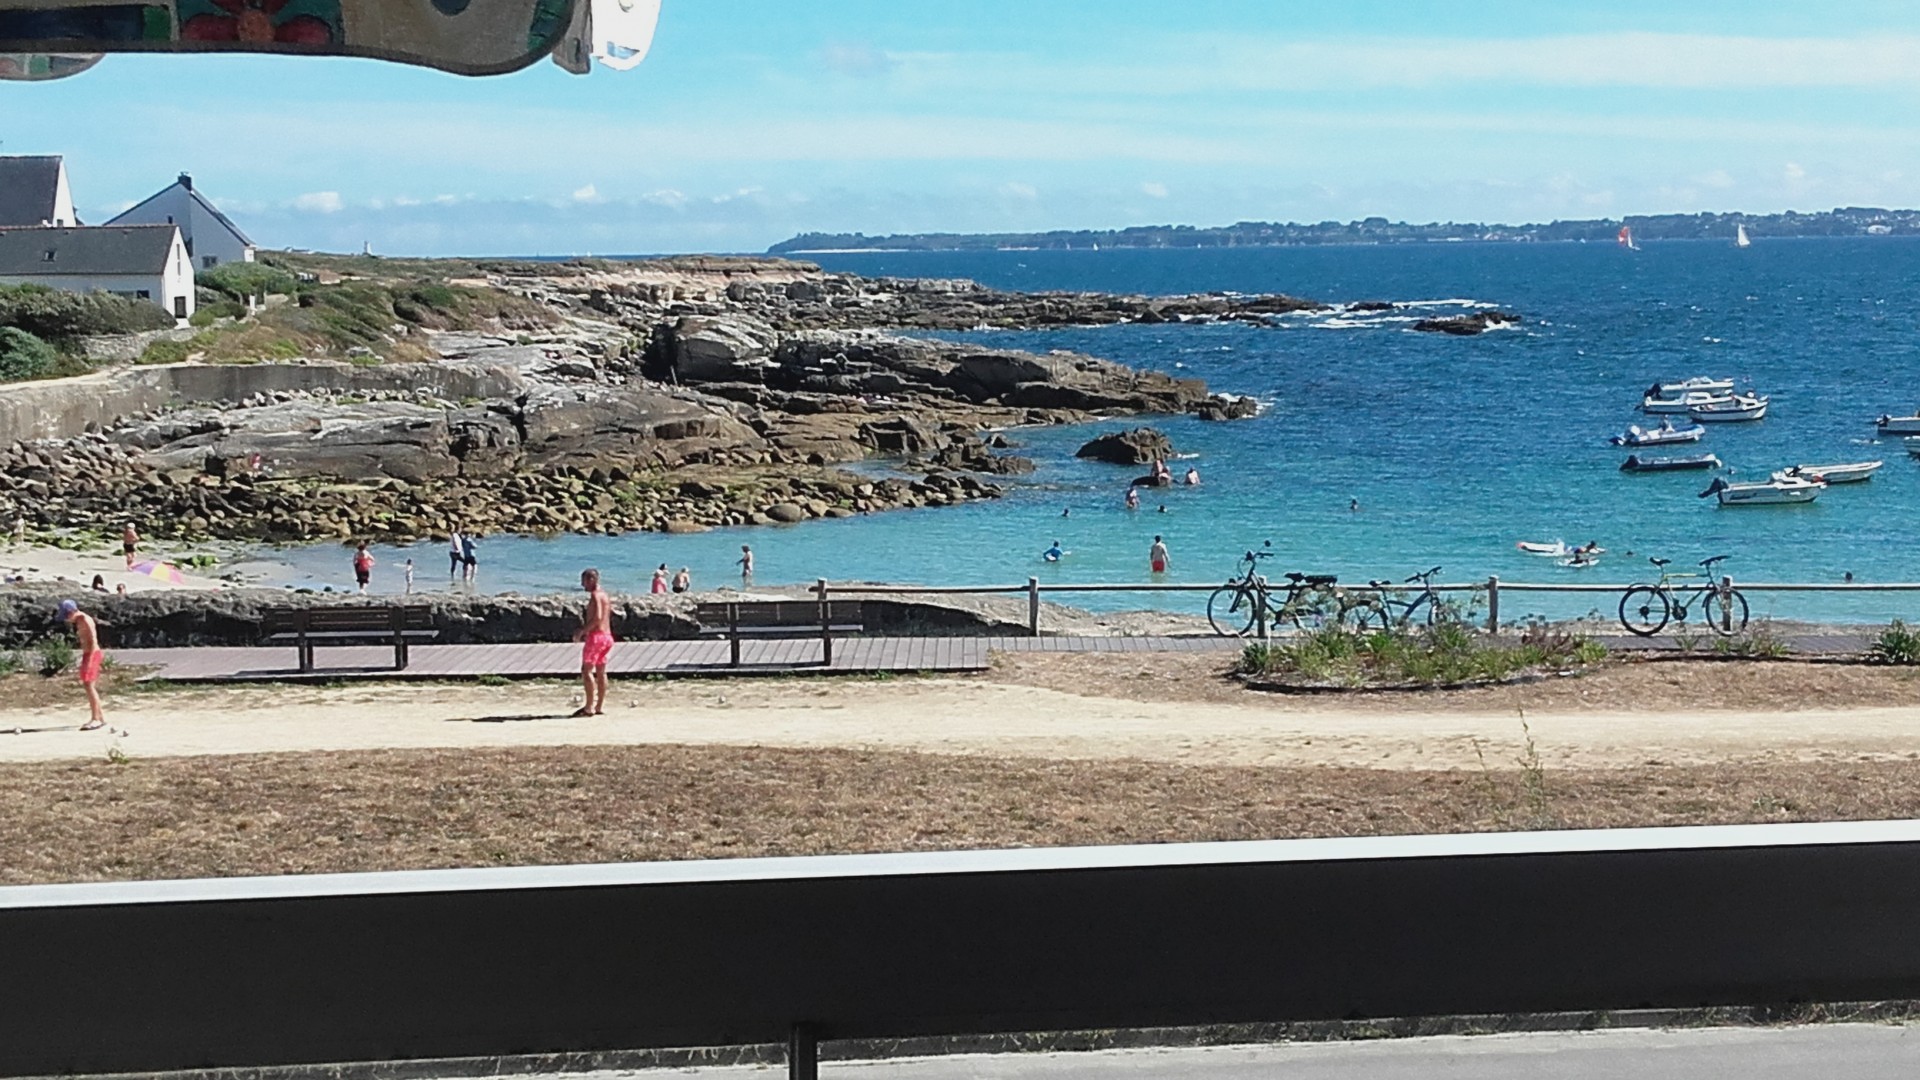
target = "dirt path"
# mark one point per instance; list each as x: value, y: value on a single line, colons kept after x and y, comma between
x: 1592, y: 725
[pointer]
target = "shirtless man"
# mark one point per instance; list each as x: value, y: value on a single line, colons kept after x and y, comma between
x: 745, y: 563
x: 129, y: 543
x: 596, y: 638
x: 91, y: 658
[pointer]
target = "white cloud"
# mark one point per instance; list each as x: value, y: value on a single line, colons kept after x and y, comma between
x: 1718, y: 179
x: 586, y: 194
x: 319, y: 202
x: 1794, y: 172
x: 666, y: 197
x: 856, y: 58
x: 1154, y: 189
x: 1023, y: 192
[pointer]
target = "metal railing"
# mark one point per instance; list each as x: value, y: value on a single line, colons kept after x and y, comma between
x: 408, y: 966
x: 1492, y: 587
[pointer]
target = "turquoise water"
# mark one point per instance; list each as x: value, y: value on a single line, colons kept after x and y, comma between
x: 1455, y: 448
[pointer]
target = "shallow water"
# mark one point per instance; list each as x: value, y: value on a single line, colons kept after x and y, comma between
x: 1454, y: 448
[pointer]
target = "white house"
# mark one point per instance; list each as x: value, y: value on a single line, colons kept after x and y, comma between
x: 33, y: 191
x: 211, y: 238
x: 142, y: 262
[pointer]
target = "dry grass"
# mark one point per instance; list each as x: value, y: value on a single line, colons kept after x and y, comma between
x: 1621, y: 683
x: 186, y: 817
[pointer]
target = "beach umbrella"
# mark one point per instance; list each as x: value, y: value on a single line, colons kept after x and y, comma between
x: 160, y: 571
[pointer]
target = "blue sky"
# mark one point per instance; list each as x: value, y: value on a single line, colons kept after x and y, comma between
x: 755, y: 119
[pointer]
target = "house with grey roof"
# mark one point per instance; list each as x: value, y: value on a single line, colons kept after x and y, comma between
x: 211, y: 237
x: 33, y: 191
x: 141, y: 262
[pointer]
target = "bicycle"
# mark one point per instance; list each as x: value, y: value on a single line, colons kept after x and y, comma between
x: 1646, y: 609
x: 1387, y: 607
x: 1310, y: 601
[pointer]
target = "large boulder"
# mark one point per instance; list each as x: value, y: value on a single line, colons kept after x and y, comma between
x: 1140, y: 446
x: 719, y: 348
x: 1465, y: 325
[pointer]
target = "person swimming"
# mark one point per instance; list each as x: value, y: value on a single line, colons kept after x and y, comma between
x: 1053, y: 553
x: 1133, y: 497
x: 1193, y: 476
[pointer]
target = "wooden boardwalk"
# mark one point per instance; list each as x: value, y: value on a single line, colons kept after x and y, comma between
x: 851, y: 655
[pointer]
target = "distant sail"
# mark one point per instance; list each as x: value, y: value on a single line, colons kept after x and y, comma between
x: 1626, y: 239
x: 1740, y: 237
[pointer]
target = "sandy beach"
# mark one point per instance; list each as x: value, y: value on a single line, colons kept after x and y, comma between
x: 45, y: 563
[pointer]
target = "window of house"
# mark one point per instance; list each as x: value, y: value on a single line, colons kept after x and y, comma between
x: 143, y: 294
x: 179, y: 307
x: 48, y: 257
x: 208, y: 262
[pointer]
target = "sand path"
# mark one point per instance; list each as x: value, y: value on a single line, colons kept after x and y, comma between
x: 936, y: 715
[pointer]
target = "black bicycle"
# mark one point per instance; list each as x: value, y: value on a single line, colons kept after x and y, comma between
x: 1309, y: 601
x: 1391, y: 605
x: 1646, y: 609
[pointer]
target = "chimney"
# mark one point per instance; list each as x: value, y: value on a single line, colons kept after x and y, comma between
x: 186, y: 181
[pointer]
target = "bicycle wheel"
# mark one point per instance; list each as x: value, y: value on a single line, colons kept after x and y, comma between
x: 1442, y: 612
x: 1725, y: 611
x: 1231, y: 610
x: 1364, y: 615
x: 1644, y: 610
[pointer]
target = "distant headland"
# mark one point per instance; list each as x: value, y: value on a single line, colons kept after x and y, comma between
x: 1841, y: 221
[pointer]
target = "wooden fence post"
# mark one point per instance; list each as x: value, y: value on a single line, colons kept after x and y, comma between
x: 1033, y: 607
x: 1493, y: 604
x: 826, y: 624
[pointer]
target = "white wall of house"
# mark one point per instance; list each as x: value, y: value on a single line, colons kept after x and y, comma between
x: 63, y: 200
x: 208, y: 239
x: 172, y: 288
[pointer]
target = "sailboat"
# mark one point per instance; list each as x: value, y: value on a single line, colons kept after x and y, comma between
x: 1626, y: 238
x: 1740, y: 237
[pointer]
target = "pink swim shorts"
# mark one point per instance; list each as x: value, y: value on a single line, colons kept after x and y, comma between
x: 90, y: 666
x: 596, y: 648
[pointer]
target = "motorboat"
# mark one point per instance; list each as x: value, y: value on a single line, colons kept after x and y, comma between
x: 1913, y: 444
x: 1556, y: 548
x: 1664, y: 435
x: 1898, y: 425
x: 1636, y: 463
x: 1742, y: 408
x: 1774, y: 492
x: 1681, y: 403
x: 1699, y: 384
x: 1851, y: 473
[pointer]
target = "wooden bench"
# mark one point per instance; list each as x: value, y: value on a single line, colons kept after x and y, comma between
x: 737, y: 619
x: 305, y: 628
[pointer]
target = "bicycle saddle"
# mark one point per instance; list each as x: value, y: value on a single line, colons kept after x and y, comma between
x: 1296, y: 578
x: 1659, y: 562
x: 1379, y: 583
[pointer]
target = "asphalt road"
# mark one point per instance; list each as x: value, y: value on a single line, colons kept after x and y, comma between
x: 1817, y: 1052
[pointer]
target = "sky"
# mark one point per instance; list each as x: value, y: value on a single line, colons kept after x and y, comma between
x: 752, y: 120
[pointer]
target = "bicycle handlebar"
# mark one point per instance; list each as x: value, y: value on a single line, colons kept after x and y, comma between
x: 1423, y: 578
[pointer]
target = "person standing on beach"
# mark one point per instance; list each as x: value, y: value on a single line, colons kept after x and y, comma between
x: 1157, y: 556
x: 683, y: 580
x: 409, y: 573
x: 91, y: 659
x: 362, y: 566
x: 129, y: 542
x: 659, y: 586
x: 745, y: 562
x: 596, y: 644
x: 469, y: 557
x: 456, y: 555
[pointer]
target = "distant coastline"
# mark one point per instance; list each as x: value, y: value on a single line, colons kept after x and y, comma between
x: 1841, y: 221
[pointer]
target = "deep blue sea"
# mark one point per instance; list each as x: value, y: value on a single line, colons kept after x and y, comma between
x: 1455, y: 448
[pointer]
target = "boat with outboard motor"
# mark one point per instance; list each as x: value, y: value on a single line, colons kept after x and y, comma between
x: 1699, y: 384
x: 1636, y: 463
x: 1743, y: 408
x: 1898, y: 425
x: 1851, y: 473
x: 1775, y: 492
x: 1664, y: 435
x: 1680, y: 403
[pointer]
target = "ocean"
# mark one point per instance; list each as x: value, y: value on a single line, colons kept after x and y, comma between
x: 1453, y: 448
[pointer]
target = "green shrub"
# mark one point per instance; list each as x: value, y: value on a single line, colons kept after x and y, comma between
x: 65, y: 316
x: 1897, y: 644
x: 24, y: 356
x: 56, y: 654
x: 1442, y: 655
x: 164, y: 351
x: 237, y: 281
x: 206, y: 314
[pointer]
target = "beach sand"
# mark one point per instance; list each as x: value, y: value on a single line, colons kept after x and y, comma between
x: 46, y: 563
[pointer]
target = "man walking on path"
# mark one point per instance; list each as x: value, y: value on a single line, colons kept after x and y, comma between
x: 596, y: 644
x: 91, y: 659
x: 1157, y: 556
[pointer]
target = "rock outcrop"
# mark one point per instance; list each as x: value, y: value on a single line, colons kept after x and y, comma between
x: 1465, y: 325
x: 1140, y: 446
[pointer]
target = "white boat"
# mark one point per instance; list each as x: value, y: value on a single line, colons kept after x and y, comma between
x: 1740, y: 237
x: 1775, y: 492
x: 1742, y: 408
x: 1850, y: 473
x: 1664, y: 435
x: 1898, y: 425
x: 1697, y: 385
x: 1556, y: 549
x: 1680, y: 403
